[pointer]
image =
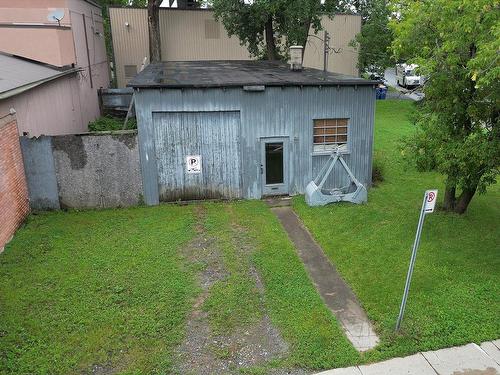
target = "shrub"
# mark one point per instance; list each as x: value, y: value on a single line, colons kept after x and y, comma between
x: 377, y: 170
x: 108, y: 123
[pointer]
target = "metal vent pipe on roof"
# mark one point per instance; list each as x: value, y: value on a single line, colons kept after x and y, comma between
x: 296, y: 58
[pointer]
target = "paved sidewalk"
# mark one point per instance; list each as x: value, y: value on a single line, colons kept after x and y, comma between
x: 470, y: 359
x: 333, y: 290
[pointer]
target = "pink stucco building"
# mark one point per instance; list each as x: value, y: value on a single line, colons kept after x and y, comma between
x: 59, y: 44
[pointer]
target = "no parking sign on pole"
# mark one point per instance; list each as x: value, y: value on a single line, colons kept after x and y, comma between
x: 428, y: 205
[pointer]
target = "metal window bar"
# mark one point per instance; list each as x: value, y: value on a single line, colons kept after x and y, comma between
x: 330, y: 138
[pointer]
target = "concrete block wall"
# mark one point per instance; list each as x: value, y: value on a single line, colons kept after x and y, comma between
x: 94, y: 170
x: 14, y: 204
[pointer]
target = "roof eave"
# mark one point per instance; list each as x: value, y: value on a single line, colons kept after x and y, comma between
x: 241, y: 85
x: 19, y: 90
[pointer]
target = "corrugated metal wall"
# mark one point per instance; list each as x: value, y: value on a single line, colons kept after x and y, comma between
x: 212, y: 135
x: 130, y: 43
x: 276, y: 112
x: 189, y: 35
x: 195, y: 35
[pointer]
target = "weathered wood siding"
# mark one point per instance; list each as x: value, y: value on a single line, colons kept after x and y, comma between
x: 276, y: 112
x: 214, y: 136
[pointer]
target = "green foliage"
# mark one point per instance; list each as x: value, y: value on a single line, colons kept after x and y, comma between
x: 101, y: 288
x: 291, y: 22
x: 454, y: 296
x: 375, y: 38
x: 108, y: 123
x: 378, y: 169
x: 456, y: 45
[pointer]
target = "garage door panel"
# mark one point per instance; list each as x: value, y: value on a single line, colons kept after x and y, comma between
x: 214, y: 136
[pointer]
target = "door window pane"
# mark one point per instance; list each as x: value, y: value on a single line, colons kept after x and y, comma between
x: 274, y: 163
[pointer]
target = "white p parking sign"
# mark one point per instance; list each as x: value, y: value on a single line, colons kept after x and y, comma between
x: 193, y: 164
x: 430, y: 202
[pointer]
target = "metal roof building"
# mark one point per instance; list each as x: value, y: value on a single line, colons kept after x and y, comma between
x: 247, y: 129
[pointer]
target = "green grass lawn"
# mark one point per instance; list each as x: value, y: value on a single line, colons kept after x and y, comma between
x: 455, y: 292
x: 112, y: 289
x: 315, y: 338
x: 95, y: 288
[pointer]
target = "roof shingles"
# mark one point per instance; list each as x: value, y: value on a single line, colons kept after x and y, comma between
x: 201, y: 74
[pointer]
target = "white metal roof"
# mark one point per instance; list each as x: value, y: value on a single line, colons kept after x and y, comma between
x: 18, y: 75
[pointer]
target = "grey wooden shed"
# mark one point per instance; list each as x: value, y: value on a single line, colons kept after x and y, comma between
x: 247, y: 129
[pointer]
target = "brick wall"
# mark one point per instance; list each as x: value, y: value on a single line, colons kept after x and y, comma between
x: 14, y: 204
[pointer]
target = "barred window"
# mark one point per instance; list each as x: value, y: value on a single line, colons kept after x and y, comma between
x: 329, y: 134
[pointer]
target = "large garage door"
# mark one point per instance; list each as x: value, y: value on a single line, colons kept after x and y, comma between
x: 214, y: 136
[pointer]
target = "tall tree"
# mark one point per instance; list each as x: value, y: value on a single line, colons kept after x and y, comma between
x: 456, y: 44
x: 374, y: 40
x: 154, y: 30
x: 268, y: 27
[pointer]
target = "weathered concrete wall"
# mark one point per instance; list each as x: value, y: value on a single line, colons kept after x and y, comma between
x: 13, y: 191
x: 40, y: 173
x: 97, y: 170
x: 83, y: 171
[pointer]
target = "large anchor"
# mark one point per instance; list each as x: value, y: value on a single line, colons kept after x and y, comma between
x: 317, y: 196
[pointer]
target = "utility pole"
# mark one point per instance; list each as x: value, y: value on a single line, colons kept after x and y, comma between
x: 326, y: 50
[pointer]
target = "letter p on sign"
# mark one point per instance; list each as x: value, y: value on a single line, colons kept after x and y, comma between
x: 430, y: 203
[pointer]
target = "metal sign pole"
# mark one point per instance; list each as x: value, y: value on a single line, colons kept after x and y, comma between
x: 412, y: 261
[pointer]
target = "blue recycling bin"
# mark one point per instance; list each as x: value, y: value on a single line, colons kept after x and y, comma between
x: 381, y: 92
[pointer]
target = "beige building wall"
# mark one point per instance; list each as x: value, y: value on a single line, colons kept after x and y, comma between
x: 344, y: 59
x: 129, y: 31
x: 49, y: 109
x: 195, y: 35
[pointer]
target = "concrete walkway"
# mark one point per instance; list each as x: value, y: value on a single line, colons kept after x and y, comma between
x: 470, y: 359
x: 335, y: 292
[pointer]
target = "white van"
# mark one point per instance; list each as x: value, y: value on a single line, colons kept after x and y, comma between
x: 407, y: 77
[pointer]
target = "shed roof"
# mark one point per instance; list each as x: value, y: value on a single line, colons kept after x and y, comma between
x: 18, y: 75
x: 200, y: 74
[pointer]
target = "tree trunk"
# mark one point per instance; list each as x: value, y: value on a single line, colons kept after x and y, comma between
x: 464, y: 200
x: 154, y: 30
x: 307, y: 26
x: 449, y: 197
x: 270, y: 42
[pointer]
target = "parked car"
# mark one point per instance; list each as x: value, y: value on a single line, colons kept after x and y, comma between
x: 407, y: 75
x: 374, y: 72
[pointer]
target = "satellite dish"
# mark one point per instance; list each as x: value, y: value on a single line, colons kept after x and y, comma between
x: 56, y: 15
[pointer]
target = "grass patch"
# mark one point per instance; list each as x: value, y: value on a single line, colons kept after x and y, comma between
x: 109, y: 123
x: 105, y: 288
x: 455, y: 292
x: 249, y: 235
x: 294, y: 306
x: 234, y: 301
